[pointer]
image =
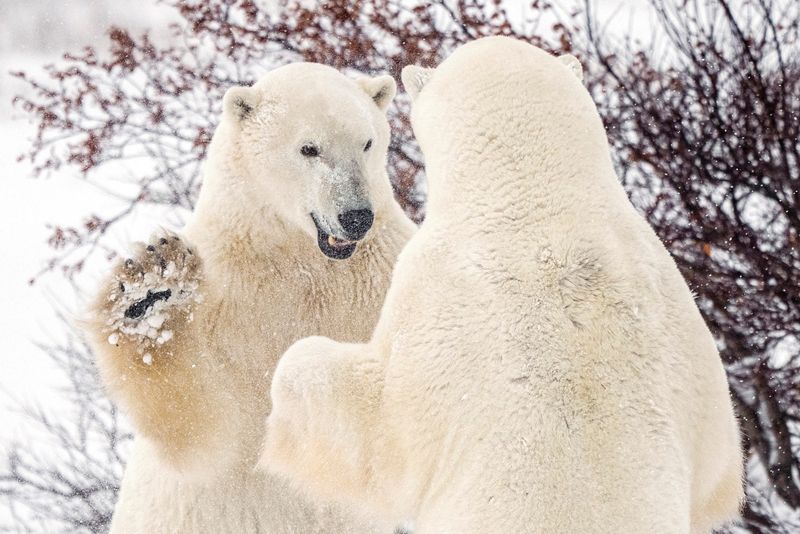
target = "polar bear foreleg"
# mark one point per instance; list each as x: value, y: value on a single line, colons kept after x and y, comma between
x: 149, y: 351
x: 320, y: 434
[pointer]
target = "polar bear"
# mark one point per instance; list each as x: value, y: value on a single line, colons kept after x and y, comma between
x: 539, y: 364
x: 188, y: 330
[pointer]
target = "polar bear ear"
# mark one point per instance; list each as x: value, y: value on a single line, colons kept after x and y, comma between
x: 414, y: 79
x: 573, y: 64
x: 380, y: 89
x: 239, y: 102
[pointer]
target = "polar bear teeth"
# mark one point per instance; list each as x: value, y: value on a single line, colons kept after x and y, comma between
x: 334, y: 242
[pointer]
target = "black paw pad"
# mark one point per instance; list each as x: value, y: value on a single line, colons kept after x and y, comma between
x: 137, y: 309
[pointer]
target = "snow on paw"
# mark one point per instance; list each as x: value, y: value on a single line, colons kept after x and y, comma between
x: 158, y: 284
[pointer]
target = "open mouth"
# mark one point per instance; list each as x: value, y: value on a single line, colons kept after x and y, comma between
x: 332, y: 246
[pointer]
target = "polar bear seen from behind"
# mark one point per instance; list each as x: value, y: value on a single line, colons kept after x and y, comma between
x: 188, y: 330
x: 539, y: 364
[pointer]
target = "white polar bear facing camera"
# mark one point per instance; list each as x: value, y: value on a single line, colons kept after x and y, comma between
x: 539, y: 364
x: 188, y: 330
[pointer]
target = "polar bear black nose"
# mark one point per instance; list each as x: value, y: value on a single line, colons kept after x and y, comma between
x: 356, y: 222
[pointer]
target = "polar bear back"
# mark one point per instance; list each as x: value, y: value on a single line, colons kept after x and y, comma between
x: 543, y: 348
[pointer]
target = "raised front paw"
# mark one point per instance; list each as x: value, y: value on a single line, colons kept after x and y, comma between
x: 325, y: 397
x: 160, y: 282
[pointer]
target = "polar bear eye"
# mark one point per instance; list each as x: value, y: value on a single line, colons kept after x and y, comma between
x: 309, y: 151
x: 368, y: 145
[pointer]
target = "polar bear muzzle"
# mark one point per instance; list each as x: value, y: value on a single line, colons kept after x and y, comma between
x: 355, y: 223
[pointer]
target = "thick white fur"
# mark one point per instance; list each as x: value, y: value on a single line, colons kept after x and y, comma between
x: 199, y: 407
x: 539, y: 365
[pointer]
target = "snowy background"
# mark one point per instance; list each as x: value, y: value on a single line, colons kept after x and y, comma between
x: 35, y: 33
x: 38, y: 32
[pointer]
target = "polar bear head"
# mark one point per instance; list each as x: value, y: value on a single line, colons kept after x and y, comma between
x: 309, y: 146
x: 500, y: 100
